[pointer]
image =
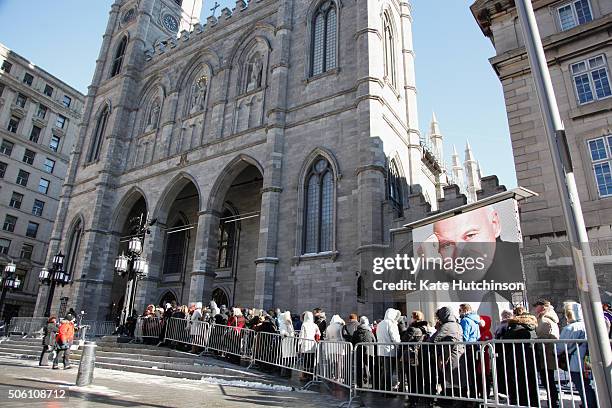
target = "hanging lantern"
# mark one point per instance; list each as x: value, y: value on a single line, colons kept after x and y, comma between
x: 121, y: 264
x: 43, y: 276
x: 10, y: 267
x: 58, y: 260
x: 16, y: 283
x: 139, y: 265
x: 145, y: 271
x: 135, y: 245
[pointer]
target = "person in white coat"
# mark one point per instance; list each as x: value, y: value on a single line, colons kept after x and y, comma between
x: 196, y: 329
x: 334, y: 348
x: 309, y: 337
x: 288, y: 351
x: 387, y: 334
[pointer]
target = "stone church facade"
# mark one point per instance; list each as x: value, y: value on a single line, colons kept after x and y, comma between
x: 275, y: 146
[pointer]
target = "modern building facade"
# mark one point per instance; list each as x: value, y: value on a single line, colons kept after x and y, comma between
x: 39, y: 118
x: 576, y: 39
x: 274, y: 146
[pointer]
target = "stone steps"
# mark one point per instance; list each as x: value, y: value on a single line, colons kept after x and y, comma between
x: 144, y: 359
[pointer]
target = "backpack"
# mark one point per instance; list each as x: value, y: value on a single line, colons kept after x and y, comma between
x: 65, y: 334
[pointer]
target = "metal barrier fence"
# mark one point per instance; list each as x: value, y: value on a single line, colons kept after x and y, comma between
x: 26, y: 325
x: 499, y: 373
x: 287, y: 352
x: 195, y: 333
x: 148, y: 328
x: 98, y: 328
x: 231, y: 340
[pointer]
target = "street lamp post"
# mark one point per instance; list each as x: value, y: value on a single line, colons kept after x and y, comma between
x: 134, y: 266
x: 56, y: 276
x: 9, y: 281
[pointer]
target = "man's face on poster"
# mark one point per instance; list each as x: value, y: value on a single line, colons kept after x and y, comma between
x: 472, y: 234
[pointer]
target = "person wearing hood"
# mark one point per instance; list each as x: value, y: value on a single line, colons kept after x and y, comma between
x: 364, y: 354
x: 575, y: 330
x: 319, y: 319
x: 445, y: 357
x: 548, y: 328
x: 195, y: 328
x: 516, y: 370
x: 214, y: 309
x: 470, y: 325
x: 350, y: 327
x: 287, y: 332
x: 387, y: 334
x: 333, y: 348
x: 48, y: 342
x: 309, y: 337
x: 415, y: 334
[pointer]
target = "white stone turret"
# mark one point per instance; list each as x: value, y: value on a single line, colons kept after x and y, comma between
x: 457, y: 169
x: 471, y: 173
x: 437, y: 140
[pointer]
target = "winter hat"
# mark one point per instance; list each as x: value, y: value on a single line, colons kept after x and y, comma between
x: 69, y: 317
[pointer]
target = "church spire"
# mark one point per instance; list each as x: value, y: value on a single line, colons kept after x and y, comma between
x: 472, y: 174
x: 435, y: 135
x: 457, y: 169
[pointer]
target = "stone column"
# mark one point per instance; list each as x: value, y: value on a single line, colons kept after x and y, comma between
x: 205, y: 254
x: 267, y: 260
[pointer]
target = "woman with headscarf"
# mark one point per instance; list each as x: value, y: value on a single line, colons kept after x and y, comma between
x: 288, y: 351
x: 309, y: 337
x: 334, y: 348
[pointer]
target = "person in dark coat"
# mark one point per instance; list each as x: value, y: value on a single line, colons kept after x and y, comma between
x: 365, y: 354
x: 349, y: 328
x: 444, y: 359
x: 516, y: 368
x: 414, y: 364
x: 48, y: 341
x: 320, y: 320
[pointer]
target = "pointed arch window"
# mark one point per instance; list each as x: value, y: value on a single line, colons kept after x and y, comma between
x: 394, y: 188
x: 324, y: 38
x: 72, y: 253
x: 318, y: 208
x: 96, y: 143
x: 118, y: 59
x: 389, y: 50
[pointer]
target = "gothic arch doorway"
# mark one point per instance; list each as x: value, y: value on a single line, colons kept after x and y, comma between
x: 220, y: 297
x: 167, y: 297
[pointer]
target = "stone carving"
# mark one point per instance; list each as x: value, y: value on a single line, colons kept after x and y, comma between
x: 255, y: 74
x: 153, y: 118
x: 198, y: 94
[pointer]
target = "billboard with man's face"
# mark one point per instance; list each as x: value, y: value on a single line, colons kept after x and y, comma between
x: 471, y: 257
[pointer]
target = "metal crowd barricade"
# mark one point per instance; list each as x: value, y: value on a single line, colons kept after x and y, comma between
x: 443, y: 370
x: 97, y: 328
x: 148, y: 329
x: 288, y: 352
x: 26, y: 325
x: 186, y: 331
x: 335, y: 362
x: 541, y: 373
x: 231, y: 340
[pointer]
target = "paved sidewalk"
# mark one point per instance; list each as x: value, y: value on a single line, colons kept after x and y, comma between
x: 117, y: 388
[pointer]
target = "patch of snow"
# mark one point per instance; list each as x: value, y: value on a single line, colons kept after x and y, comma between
x: 247, y: 384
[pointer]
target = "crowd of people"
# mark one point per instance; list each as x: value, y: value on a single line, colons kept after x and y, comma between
x: 403, y: 349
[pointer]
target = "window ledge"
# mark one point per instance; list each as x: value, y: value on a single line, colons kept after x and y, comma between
x: 333, y: 71
x: 591, y: 108
x: 319, y: 255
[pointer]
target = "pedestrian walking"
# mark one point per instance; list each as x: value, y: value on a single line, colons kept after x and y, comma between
x: 63, y: 341
x: 48, y: 341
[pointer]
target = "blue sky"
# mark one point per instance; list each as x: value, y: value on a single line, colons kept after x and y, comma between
x: 454, y: 77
